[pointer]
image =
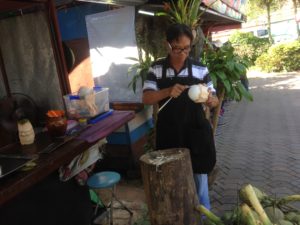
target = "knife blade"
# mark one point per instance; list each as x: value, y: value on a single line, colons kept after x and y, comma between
x: 53, y: 146
x: 17, y: 156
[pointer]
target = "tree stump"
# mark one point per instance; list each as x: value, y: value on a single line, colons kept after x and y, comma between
x: 169, y: 187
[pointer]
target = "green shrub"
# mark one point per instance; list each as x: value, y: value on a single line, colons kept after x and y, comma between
x: 263, y: 64
x: 281, y: 57
x: 248, y: 46
x: 292, y: 56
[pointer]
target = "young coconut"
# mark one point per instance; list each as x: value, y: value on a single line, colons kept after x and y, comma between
x: 274, y: 214
x: 284, y: 222
x: 292, y: 217
x: 249, y: 195
x: 247, y: 215
x: 26, y: 132
x: 198, y: 93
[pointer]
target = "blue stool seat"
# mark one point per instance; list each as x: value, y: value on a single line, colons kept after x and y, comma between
x: 105, y: 179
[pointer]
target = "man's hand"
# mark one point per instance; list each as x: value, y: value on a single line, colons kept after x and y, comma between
x: 212, y: 101
x: 176, y: 90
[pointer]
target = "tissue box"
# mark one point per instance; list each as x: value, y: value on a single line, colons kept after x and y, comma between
x: 87, y: 106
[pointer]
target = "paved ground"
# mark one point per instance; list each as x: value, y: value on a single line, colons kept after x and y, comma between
x: 259, y: 142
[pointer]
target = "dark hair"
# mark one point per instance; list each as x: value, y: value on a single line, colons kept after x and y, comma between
x: 177, y: 30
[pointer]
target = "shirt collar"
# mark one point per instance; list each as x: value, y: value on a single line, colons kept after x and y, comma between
x: 185, y: 65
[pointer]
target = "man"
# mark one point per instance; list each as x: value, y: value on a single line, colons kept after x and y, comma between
x: 181, y: 122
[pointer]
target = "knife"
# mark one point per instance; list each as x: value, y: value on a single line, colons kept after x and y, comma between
x: 17, y: 156
x: 53, y: 146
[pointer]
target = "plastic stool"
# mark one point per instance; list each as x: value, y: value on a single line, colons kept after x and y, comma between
x: 104, y: 180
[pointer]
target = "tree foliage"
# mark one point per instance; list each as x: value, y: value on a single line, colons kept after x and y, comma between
x: 257, y: 7
x: 253, y: 11
x: 248, y: 46
x: 295, y: 5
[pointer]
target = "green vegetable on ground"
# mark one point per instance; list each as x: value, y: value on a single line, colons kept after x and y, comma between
x: 288, y: 199
x: 274, y: 214
x: 284, y: 222
x: 289, y: 216
x: 210, y: 216
x: 261, y: 196
x: 257, y: 208
x: 293, y: 217
x: 247, y: 192
x: 247, y: 215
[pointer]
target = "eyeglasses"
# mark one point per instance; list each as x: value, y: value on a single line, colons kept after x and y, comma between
x: 178, y: 50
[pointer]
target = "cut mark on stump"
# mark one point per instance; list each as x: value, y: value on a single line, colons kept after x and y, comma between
x: 159, y: 158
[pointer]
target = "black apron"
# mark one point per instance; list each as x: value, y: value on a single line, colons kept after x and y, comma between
x: 182, y: 124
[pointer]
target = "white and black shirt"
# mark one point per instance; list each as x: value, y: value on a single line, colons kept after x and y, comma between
x: 199, y: 73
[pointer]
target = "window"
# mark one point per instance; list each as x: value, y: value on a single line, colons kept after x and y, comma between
x: 262, y: 32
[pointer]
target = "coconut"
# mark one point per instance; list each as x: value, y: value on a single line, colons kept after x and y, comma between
x: 293, y: 217
x: 284, y: 222
x: 194, y: 92
x: 290, y: 216
x: 296, y: 219
x: 274, y: 214
x: 198, y: 93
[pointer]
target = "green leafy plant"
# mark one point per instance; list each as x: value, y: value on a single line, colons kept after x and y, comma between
x: 281, y: 57
x: 139, y: 70
x: 187, y: 12
x: 226, y: 70
x: 184, y: 11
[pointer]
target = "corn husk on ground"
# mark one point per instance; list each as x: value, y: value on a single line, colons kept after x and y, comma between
x: 257, y: 208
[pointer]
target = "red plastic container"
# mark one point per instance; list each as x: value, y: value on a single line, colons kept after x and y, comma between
x: 56, y: 126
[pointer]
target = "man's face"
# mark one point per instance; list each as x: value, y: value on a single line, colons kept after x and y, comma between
x: 179, y: 49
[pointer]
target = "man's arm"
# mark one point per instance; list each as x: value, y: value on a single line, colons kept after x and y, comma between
x: 151, y: 97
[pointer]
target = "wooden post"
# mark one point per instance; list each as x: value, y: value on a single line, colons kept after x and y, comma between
x: 169, y: 187
x: 217, y: 111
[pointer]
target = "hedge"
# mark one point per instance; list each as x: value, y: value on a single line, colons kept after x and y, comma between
x: 280, y: 57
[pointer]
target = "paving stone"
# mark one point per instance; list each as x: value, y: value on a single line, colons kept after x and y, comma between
x: 259, y: 142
